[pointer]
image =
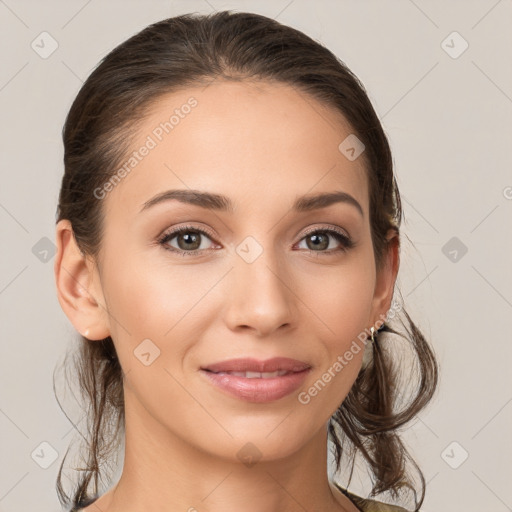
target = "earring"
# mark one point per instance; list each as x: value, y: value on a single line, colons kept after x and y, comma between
x: 368, y: 351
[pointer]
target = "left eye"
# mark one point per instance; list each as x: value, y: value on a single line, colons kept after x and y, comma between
x: 318, y: 240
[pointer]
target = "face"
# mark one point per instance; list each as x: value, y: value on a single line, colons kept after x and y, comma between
x: 264, y: 277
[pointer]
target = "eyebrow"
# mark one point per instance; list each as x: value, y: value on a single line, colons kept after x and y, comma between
x: 218, y: 202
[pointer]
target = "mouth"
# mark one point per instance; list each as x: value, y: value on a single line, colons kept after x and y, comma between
x: 254, y: 375
x: 265, y: 369
x: 257, y: 381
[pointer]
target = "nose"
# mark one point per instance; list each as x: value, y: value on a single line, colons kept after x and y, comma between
x: 261, y: 297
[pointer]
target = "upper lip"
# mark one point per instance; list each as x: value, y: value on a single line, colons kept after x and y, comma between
x: 254, y: 365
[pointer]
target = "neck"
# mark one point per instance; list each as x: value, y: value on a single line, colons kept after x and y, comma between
x: 164, y: 472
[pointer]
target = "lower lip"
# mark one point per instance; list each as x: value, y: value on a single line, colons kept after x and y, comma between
x: 258, y: 389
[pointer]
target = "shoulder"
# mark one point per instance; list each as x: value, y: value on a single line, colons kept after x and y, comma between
x: 368, y: 505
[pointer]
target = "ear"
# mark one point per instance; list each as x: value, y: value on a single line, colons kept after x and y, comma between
x: 385, y: 280
x: 78, y: 286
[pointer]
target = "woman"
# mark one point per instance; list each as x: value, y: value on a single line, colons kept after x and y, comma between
x: 228, y: 245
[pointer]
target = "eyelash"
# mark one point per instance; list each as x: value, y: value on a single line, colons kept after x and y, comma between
x: 345, y: 241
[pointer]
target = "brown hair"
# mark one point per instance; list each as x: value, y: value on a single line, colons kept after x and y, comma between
x: 186, y: 51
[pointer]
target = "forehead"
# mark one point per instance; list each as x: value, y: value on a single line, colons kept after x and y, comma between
x: 259, y: 143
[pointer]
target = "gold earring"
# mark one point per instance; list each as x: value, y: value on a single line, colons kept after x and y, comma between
x: 374, y: 332
x: 368, y: 350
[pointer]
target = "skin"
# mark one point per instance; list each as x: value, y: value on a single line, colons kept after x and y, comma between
x: 262, y: 145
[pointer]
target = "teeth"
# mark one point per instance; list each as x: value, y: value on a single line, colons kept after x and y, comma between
x: 256, y: 375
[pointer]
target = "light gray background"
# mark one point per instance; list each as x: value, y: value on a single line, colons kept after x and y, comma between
x: 449, y: 123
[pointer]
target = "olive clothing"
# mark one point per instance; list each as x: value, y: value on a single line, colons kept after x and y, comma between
x: 367, y: 505
x: 363, y: 504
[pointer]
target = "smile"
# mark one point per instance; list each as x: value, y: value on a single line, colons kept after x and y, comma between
x: 255, y: 375
x: 257, y: 387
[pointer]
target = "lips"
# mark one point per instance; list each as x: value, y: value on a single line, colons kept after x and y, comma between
x: 256, y: 375
x: 257, y: 381
x: 251, y: 367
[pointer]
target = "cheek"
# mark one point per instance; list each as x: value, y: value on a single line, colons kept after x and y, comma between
x: 342, y: 313
x: 342, y: 303
x: 341, y: 299
x: 155, y: 300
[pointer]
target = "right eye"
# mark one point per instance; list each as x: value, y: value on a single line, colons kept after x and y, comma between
x: 188, y: 239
